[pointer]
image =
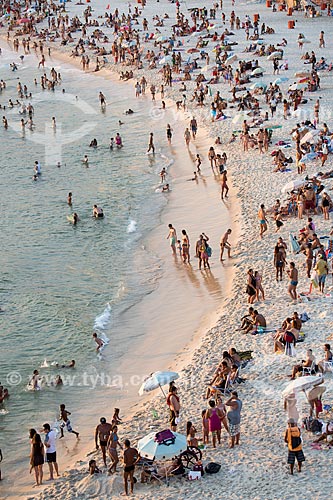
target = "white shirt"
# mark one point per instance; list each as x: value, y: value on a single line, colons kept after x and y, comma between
x: 50, y: 439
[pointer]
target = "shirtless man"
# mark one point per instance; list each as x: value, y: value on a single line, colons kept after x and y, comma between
x: 97, y: 212
x: 131, y: 457
x: 102, y: 100
x: 224, y: 185
x: 98, y: 341
x: 293, y: 276
x: 262, y: 220
x: 102, y: 432
x: 224, y: 243
x: 172, y: 236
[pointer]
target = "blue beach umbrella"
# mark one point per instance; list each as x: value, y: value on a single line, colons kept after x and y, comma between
x: 151, y: 449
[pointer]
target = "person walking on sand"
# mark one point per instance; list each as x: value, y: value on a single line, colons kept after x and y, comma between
x: 224, y: 243
x: 187, y: 137
x: 293, y: 277
x: 131, y: 457
x: 172, y: 236
x: 322, y: 271
x: 262, y: 220
x: 102, y: 433
x: 65, y: 422
x: 112, y: 443
x: 51, y: 452
x: 279, y: 261
x: 322, y: 40
x: 234, y: 405
x: 224, y: 185
x: 37, y: 458
x: 151, y: 146
x: 214, y: 416
x: 293, y: 438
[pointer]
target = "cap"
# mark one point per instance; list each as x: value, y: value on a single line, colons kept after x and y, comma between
x: 102, y: 420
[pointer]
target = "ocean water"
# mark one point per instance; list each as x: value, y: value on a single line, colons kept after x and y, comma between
x: 59, y: 283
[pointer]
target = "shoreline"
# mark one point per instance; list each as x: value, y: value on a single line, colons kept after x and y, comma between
x: 262, y: 448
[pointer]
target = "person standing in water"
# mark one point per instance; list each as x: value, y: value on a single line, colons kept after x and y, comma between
x: 151, y: 146
x: 69, y: 199
x: 169, y: 133
x: 98, y: 341
x: 224, y: 243
x: 224, y: 185
x: 66, y: 422
x: 102, y: 100
x: 172, y: 236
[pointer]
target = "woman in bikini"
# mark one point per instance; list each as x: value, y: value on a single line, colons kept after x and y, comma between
x: 112, y: 444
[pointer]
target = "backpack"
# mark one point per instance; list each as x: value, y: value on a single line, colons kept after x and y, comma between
x: 212, y: 468
x: 165, y: 437
x: 209, y: 251
x: 316, y: 426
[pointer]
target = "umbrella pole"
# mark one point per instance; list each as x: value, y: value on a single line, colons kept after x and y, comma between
x: 162, y: 390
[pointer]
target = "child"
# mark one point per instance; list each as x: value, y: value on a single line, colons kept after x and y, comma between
x: 116, y: 420
x: 190, y: 435
x: 179, y: 247
x: 93, y: 469
x: 205, y: 427
x: 163, y: 174
x: 198, y: 162
x: 65, y: 422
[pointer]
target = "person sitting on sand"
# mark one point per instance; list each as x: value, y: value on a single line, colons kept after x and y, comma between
x: 93, y: 469
x: 289, y: 334
x: 307, y: 363
x: 246, y: 319
x: 326, y: 431
x: 257, y: 320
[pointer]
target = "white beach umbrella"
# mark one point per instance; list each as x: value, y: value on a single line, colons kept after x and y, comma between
x: 298, y: 86
x: 258, y: 85
x: 281, y: 79
x: 302, y: 113
x: 291, y: 185
x: 277, y: 54
x: 311, y: 136
x: 157, y: 380
x: 165, y: 59
x: 231, y: 59
x: 301, y: 384
x: 151, y: 449
x: 257, y: 71
x: 239, y: 118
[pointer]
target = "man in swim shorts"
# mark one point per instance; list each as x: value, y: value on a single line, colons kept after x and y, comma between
x: 262, y: 220
x: 102, y: 433
x: 172, y: 236
x: 131, y: 457
x: 225, y: 244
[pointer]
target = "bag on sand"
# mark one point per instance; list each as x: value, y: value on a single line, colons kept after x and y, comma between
x: 165, y: 437
x: 212, y: 468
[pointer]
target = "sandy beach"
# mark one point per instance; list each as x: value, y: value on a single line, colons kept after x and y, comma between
x: 191, y: 317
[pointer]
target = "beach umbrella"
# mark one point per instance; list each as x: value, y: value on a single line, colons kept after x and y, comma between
x: 151, y: 449
x: 157, y: 380
x: 258, y: 85
x: 316, y: 392
x: 302, y: 113
x: 165, y: 59
x: 239, y: 118
x: 257, y: 71
x: 291, y: 185
x: 298, y: 86
x: 192, y: 51
x: 281, y: 79
x: 311, y: 136
x: 309, y: 157
x: 301, y: 384
x: 277, y: 54
x: 231, y: 59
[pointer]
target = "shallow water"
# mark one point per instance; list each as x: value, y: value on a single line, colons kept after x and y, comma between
x: 59, y: 282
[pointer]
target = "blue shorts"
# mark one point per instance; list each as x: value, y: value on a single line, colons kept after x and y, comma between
x: 322, y: 278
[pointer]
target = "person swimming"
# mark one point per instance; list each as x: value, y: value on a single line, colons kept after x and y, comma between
x: 98, y: 212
